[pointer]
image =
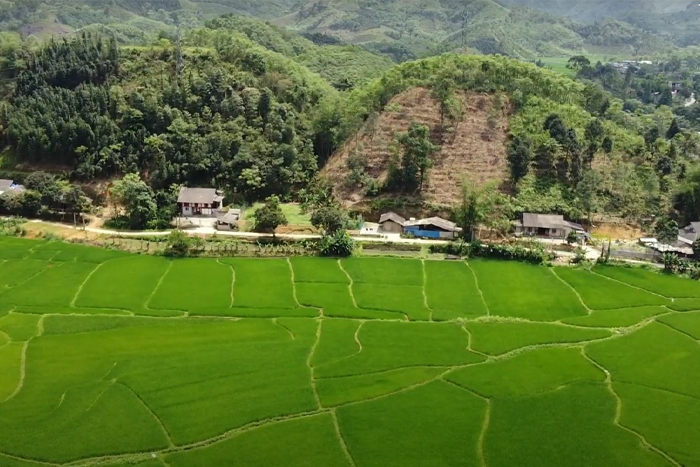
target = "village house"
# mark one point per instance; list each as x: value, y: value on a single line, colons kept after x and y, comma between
x: 547, y: 225
x: 228, y: 220
x: 391, y: 222
x: 10, y: 185
x: 199, y: 202
x: 432, y: 227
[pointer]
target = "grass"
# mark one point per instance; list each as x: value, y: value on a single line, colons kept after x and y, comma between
x: 292, y: 211
x: 525, y: 291
x: 204, y: 362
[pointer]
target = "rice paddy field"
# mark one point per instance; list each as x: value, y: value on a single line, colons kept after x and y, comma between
x: 112, y: 359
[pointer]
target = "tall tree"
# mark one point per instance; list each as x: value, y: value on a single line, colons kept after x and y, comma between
x: 270, y: 216
x: 416, y: 157
x: 519, y: 157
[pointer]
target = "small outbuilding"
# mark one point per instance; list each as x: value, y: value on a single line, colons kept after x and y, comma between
x: 228, y: 220
x: 391, y: 222
x: 547, y: 225
x: 432, y: 227
x: 199, y: 201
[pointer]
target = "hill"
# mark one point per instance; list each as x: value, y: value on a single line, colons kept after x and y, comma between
x: 472, y: 148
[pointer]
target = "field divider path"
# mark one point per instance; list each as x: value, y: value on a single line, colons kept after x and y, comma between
x: 357, y: 338
x: 160, y: 281
x: 630, y: 285
x: 425, y: 293
x: 618, y: 412
x: 341, y: 440
x: 148, y: 408
x: 580, y: 299
x: 469, y: 343
x: 484, y: 427
x: 291, y: 333
x: 26, y: 459
x: 350, y: 283
x: 22, y: 372
x: 481, y: 293
x: 20, y: 284
x: 233, y: 280
x: 294, y: 286
x: 310, y: 366
x: 80, y: 289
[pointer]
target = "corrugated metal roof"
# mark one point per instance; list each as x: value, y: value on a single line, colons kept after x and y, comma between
x: 392, y: 216
x: 690, y: 233
x: 5, y: 185
x: 543, y: 221
x: 434, y: 221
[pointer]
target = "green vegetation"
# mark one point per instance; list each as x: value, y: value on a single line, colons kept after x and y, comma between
x: 453, y: 363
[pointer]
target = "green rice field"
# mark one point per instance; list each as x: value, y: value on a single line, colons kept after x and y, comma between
x: 111, y: 359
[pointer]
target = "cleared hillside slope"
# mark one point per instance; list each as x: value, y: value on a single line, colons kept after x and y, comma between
x: 472, y: 148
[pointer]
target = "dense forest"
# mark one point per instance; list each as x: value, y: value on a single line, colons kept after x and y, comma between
x: 257, y: 110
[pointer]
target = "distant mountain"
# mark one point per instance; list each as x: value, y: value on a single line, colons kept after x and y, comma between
x: 593, y: 10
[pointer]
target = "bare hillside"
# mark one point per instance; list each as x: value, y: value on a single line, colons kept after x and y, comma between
x: 473, y: 147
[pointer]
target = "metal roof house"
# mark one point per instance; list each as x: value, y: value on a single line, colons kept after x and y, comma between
x: 690, y: 233
x: 546, y: 225
x: 228, y: 220
x: 432, y: 227
x: 391, y: 222
x: 199, y: 201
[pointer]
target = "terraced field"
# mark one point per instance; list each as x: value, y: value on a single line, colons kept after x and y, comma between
x: 112, y: 359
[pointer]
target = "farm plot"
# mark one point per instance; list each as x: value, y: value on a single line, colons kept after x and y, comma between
x: 572, y: 426
x: 123, y: 283
x: 318, y: 270
x: 56, y: 285
x: 194, y: 285
x: 262, y: 283
x: 529, y: 373
x: 405, y: 299
x: 495, y: 338
x: 15, y: 248
x: 400, y: 429
x: 452, y: 291
x: 662, y: 284
x: 525, y: 291
x: 391, y: 345
x: 623, y: 317
x: 14, y: 272
x: 389, y: 271
x: 601, y: 293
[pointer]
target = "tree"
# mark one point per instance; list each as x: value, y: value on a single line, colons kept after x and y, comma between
x: 519, y: 157
x: 330, y: 219
x: 482, y: 206
x: 572, y: 238
x: 178, y: 244
x: 270, y: 216
x: 136, y: 199
x: 416, y: 157
x: 75, y: 201
x: 667, y: 231
x: 47, y: 185
x: 30, y: 203
x: 666, y: 97
x: 673, y: 130
x: 696, y: 249
x: 578, y: 62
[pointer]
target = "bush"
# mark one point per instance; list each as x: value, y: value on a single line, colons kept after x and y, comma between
x: 338, y: 245
x: 534, y: 254
x: 178, y: 244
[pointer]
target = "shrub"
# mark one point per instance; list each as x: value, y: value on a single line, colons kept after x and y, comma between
x: 338, y: 245
x: 178, y: 244
x: 534, y: 254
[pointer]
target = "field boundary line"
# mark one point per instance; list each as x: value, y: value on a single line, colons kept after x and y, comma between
x: 357, y: 337
x: 22, y: 372
x: 478, y: 288
x: 350, y: 284
x: 20, y: 284
x: 111, y: 383
x: 146, y: 305
x: 580, y: 299
x: 469, y: 344
x: 291, y: 333
x: 80, y: 289
x: 618, y: 413
x: 155, y: 416
x: 697, y: 341
x: 380, y: 372
x: 341, y: 440
x: 425, y: 292
x: 484, y: 426
x: 294, y: 285
x: 633, y: 286
x: 645, y: 386
x: 40, y: 326
x: 26, y: 459
x: 233, y: 279
x: 310, y: 366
